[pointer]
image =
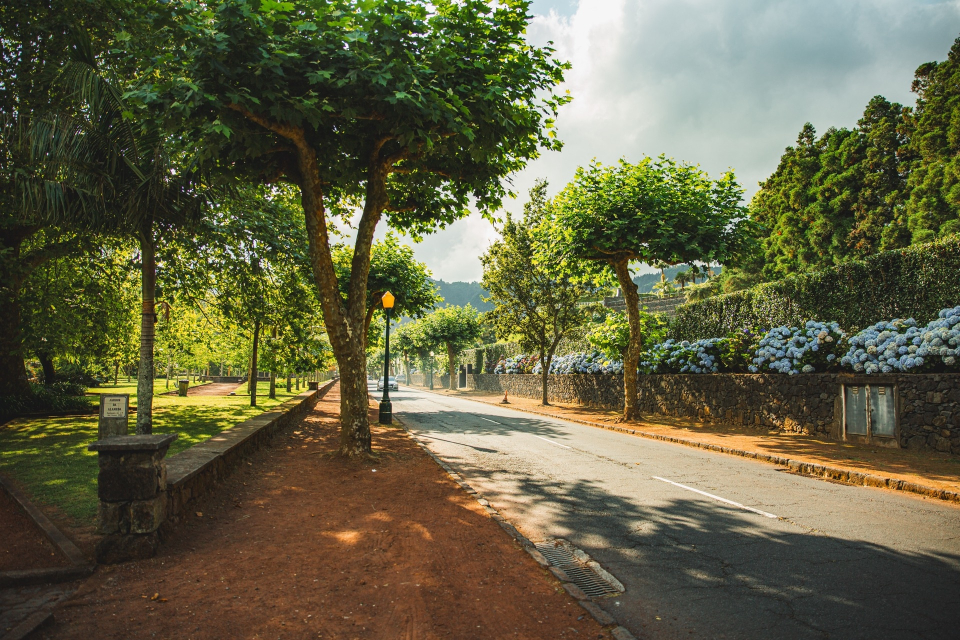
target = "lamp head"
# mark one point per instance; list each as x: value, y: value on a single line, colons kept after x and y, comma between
x: 387, y: 300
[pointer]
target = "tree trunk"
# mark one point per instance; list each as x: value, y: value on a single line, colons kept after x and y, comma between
x: 355, y: 429
x: 169, y: 370
x: 49, y: 373
x: 631, y: 359
x: 288, y: 382
x: 148, y: 319
x: 544, y: 379
x: 13, y: 370
x: 273, y: 385
x: 298, y: 382
x: 253, y: 363
x: 452, y: 361
x: 116, y: 373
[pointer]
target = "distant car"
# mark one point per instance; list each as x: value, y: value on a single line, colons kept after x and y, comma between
x: 393, y: 384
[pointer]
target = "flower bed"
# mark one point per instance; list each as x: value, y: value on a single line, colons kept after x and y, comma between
x: 896, y: 346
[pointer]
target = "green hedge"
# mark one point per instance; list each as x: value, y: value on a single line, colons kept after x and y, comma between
x: 915, y: 282
x: 501, y: 350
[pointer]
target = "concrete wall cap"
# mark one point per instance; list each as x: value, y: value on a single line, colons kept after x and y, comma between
x: 153, y: 442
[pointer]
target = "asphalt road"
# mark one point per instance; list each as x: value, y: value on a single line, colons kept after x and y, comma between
x: 786, y: 557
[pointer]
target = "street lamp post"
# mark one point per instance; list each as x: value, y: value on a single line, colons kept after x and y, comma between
x: 431, y: 370
x: 386, y: 408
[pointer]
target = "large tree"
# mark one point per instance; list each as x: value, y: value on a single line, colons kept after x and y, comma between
x: 454, y: 329
x: 404, y: 108
x: 655, y: 210
x: 933, y: 150
x: 35, y: 38
x: 534, y: 303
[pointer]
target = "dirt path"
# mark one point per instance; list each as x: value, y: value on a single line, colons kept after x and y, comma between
x: 299, y: 544
x: 22, y: 544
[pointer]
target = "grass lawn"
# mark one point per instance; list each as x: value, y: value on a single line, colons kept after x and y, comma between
x: 49, y: 456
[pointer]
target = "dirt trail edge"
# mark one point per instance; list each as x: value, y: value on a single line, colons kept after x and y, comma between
x: 299, y: 544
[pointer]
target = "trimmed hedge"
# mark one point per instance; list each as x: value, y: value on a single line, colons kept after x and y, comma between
x: 494, y: 353
x: 916, y: 282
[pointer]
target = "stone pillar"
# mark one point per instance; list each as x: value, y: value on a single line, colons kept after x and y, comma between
x: 132, y: 486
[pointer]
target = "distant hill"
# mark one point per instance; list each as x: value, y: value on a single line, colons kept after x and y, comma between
x: 462, y: 293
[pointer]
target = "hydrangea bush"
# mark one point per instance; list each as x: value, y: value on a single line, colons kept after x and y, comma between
x: 814, y: 348
x: 902, y: 346
x: 702, y: 356
x: 595, y: 362
x: 817, y: 347
x: 577, y: 363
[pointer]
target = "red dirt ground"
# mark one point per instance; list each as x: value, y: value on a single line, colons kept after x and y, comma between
x: 22, y: 544
x: 300, y: 544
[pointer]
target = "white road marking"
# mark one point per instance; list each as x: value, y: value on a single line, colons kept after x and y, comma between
x: 718, y: 498
x: 552, y: 442
x: 488, y: 420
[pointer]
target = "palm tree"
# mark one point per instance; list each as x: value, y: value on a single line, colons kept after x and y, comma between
x: 663, y: 288
x: 683, y: 278
x: 130, y: 183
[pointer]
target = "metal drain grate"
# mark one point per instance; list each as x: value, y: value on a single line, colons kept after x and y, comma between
x: 584, y: 572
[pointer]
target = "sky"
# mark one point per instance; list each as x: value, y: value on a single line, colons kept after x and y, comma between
x: 726, y: 84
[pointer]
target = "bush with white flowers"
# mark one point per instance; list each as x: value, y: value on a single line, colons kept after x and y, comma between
x: 581, y: 363
x: 575, y: 363
x: 902, y: 346
x: 815, y: 347
x: 886, y: 347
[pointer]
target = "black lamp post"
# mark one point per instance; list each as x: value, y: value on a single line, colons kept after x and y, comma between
x: 386, y: 408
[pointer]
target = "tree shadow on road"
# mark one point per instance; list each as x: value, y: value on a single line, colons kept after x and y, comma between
x: 697, y: 568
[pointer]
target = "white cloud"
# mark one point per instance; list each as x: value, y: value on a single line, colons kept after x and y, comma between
x: 722, y: 83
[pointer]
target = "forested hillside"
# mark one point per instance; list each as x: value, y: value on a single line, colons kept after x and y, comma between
x: 891, y: 181
x: 463, y: 293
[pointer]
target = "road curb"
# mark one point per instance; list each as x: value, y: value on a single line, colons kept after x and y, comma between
x: 811, y: 469
x: 603, y: 618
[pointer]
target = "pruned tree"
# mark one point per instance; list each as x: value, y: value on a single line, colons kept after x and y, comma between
x: 454, y: 329
x: 654, y: 211
x: 534, y: 303
x: 401, y: 108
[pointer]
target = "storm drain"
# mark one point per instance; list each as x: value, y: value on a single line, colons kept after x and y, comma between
x: 584, y: 572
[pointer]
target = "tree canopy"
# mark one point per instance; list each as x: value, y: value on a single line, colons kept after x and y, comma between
x: 407, y: 109
x: 455, y: 329
x: 534, y: 303
x: 657, y: 210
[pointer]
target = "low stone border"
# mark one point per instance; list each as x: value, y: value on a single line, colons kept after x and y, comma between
x: 79, y: 567
x: 846, y: 476
x: 194, y: 471
x: 603, y: 618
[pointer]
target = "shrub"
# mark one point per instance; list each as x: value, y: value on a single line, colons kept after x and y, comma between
x: 914, y: 282
x: 670, y: 356
x: 789, y: 350
x: 901, y: 345
x: 41, y: 399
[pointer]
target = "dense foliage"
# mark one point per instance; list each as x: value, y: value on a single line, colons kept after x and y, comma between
x: 915, y: 282
x: 888, y: 183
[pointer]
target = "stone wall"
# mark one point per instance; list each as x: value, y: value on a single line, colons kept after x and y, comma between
x: 928, y: 405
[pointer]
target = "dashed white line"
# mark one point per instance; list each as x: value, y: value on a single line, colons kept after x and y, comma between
x: 488, y: 420
x: 552, y: 442
x: 718, y: 498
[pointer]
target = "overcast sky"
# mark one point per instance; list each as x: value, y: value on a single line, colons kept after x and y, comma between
x: 722, y: 83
